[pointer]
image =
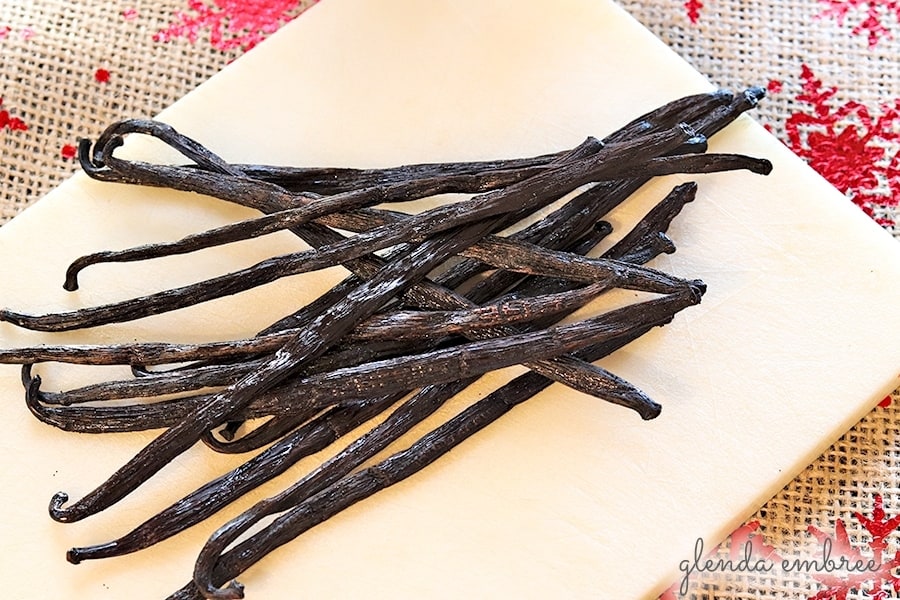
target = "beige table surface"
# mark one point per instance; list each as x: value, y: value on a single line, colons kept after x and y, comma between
x: 68, y: 69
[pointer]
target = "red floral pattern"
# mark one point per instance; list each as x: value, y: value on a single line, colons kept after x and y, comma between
x: 876, y: 16
x: 856, y: 148
x: 693, y: 8
x: 10, y: 122
x: 232, y: 24
x: 879, y: 580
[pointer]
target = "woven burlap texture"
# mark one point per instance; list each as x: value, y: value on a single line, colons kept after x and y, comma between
x: 52, y: 49
x: 737, y: 43
x: 50, y: 53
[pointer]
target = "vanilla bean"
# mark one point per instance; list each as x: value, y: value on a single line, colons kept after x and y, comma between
x: 392, y: 325
x: 329, y: 181
x: 386, y: 329
x: 583, y: 378
x: 311, y: 504
x: 476, y: 358
x: 322, y: 208
x: 204, y: 502
x: 313, y: 341
x: 124, y: 418
x: 528, y: 194
x: 211, y: 497
x: 532, y: 193
x: 578, y: 379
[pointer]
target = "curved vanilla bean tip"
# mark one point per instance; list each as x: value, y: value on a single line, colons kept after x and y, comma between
x: 71, y: 282
x: 33, y: 399
x: 32, y: 387
x: 762, y: 166
x: 663, y: 244
x: 76, y: 555
x: 89, y: 163
x: 57, y: 512
x: 113, y: 136
x: 643, y: 405
x: 647, y: 410
x: 627, y: 395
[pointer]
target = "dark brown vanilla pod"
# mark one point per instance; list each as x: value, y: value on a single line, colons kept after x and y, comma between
x: 315, y: 340
x: 104, y: 147
x: 331, y: 181
x: 305, y: 505
x: 402, y: 324
x: 476, y: 358
x: 528, y: 194
x: 400, y: 327
x: 315, y: 435
x: 211, y: 497
x: 405, y: 325
x: 651, y: 313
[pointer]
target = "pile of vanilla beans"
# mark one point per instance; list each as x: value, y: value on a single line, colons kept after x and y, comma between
x: 432, y: 301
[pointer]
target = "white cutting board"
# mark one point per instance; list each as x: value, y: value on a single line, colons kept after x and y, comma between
x: 566, y: 497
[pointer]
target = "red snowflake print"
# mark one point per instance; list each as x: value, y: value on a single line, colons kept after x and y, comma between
x: 853, y: 147
x: 876, y: 14
x: 887, y: 402
x: 232, y: 24
x: 872, y: 572
x: 102, y: 75
x: 693, y: 9
x: 9, y: 122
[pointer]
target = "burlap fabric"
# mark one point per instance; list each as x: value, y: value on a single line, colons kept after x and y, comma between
x: 68, y: 69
